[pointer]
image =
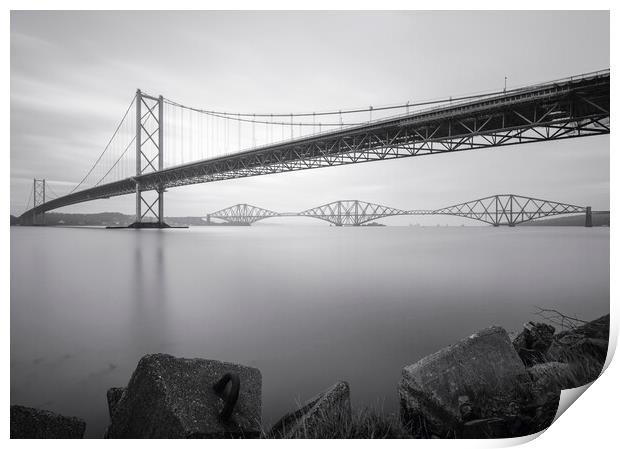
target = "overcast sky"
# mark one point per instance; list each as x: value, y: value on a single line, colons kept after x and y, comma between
x: 73, y: 74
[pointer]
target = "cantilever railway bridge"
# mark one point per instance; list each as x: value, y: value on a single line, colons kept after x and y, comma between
x: 496, y: 210
x: 160, y: 144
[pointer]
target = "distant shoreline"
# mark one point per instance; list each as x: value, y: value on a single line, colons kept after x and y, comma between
x: 599, y: 218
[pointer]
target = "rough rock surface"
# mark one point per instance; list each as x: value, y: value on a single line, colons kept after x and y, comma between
x: 310, y: 419
x: 445, y: 389
x: 533, y: 342
x: 114, y: 395
x: 591, y: 339
x: 169, y: 397
x: 551, y: 376
x: 29, y: 422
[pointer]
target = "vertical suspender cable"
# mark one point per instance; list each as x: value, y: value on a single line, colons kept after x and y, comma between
x: 190, y: 132
x: 254, y: 132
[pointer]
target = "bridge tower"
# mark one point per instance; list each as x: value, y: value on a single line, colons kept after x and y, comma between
x: 511, y: 217
x: 339, y: 214
x: 503, y: 209
x: 497, y: 217
x: 38, y: 195
x: 149, y: 158
x: 588, y: 217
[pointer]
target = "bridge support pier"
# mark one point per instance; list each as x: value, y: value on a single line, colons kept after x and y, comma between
x: 160, y: 203
x: 38, y: 219
x: 588, y: 217
x: 153, y: 210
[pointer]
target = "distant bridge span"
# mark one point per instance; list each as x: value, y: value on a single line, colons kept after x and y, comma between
x: 496, y: 210
x: 568, y: 108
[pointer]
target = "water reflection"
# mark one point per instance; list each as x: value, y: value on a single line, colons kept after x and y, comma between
x: 150, y: 296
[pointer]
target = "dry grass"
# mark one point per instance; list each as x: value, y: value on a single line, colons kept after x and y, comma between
x: 366, y: 423
x: 583, y: 368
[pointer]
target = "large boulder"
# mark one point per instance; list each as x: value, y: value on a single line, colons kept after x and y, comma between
x: 473, y: 379
x: 317, y: 417
x: 169, y: 397
x: 533, y: 342
x: 29, y: 422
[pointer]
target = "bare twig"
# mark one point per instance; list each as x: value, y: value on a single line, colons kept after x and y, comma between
x: 558, y: 318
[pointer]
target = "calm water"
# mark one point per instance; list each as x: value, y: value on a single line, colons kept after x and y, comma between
x: 306, y: 305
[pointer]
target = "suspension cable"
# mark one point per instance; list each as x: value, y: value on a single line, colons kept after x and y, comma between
x: 28, y: 201
x: 117, y: 161
x: 479, y: 94
x: 49, y: 188
x: 123, y: 153
x: 251, y: 116
x: 106, y: 147
x: 236, y: 117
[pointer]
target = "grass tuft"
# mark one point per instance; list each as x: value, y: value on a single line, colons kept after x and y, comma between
x: 366, y: 423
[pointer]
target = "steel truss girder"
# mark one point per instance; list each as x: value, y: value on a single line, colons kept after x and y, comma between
x: 574, y: 108
x: 242, y: 214
x: 505, y: 209
x: 350, y: 212
x: 509, y: 209
x: 340, y: 213
x: 318, y: 155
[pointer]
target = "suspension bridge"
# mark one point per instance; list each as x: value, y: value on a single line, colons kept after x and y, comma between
x: 496, y: 210
x: 160, y: 143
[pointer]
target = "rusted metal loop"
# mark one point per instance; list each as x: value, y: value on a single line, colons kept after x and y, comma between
x: 230, y: 400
